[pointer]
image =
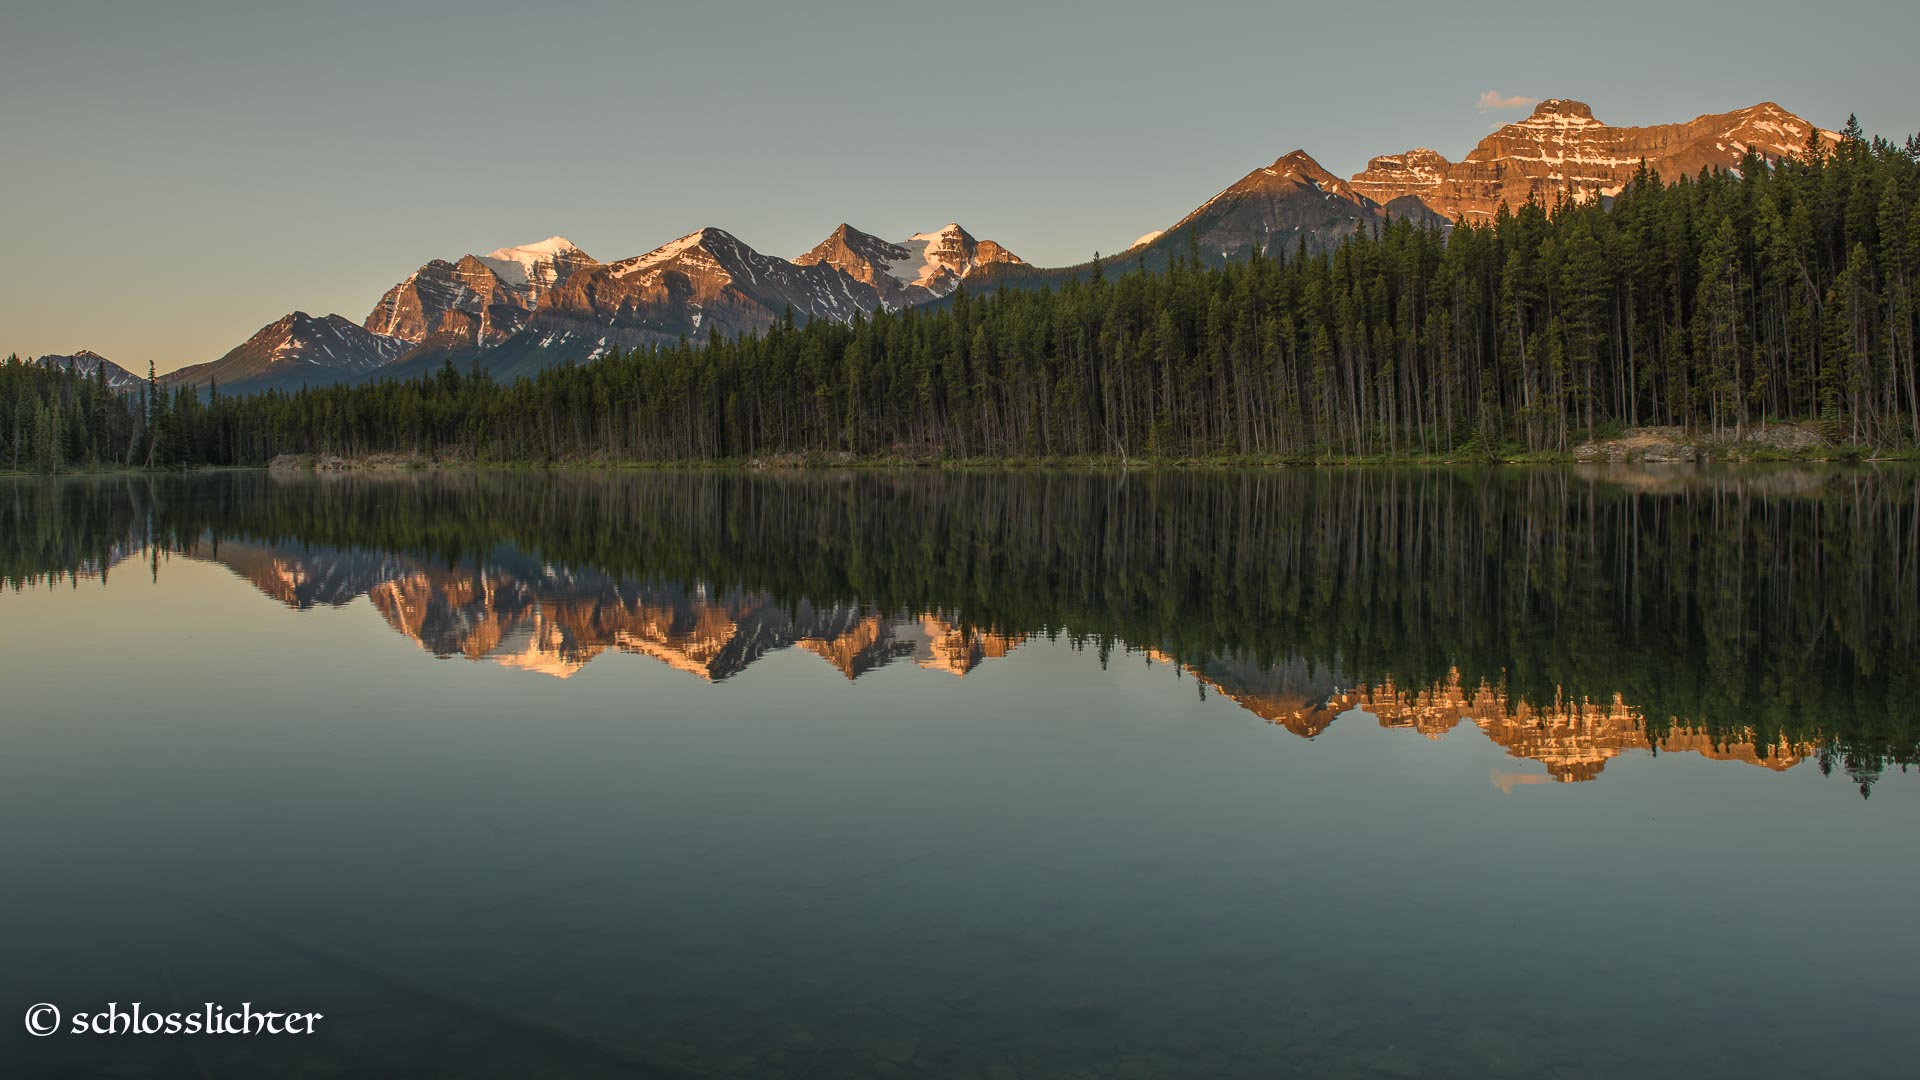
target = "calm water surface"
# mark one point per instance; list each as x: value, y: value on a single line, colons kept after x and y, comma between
x: 1347, y: 773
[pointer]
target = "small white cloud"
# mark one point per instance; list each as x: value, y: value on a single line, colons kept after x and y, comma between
x: 1494, y: 99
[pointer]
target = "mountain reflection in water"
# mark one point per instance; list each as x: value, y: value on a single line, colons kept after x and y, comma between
x: 547, y: 619
x: 1766, y: 617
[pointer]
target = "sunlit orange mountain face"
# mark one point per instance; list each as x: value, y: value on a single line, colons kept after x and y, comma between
x: 521, y: 309
x: 1571, y: 617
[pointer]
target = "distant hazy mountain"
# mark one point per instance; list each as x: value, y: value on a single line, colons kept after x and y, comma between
x: 520, y: 309
x: 292, y: 351
x: 86, y: 362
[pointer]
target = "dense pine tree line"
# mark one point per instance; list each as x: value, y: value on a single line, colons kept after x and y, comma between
x: 1777, y: 291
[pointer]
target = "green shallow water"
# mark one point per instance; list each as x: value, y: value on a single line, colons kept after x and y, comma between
x: 1527, y: 772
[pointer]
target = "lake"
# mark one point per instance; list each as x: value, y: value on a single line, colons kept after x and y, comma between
x: 1002, y: 774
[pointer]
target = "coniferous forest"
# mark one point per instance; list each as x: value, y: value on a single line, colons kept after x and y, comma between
x: 1779, y: 291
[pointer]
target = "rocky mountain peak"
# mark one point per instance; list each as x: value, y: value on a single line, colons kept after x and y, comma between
x: 1562, y: 150
x: 1299, y: 165
x: 295, y: 324
x: 699, y: 243
x: 924, y: 266
x: 1418, y: 172
x: 990, y: 251
x: 1562, y: 110
x: 860, y: 255
x: 468, y: 301
x: 1271, y: 208
x: 1769, y: 129
x: 937, y: 261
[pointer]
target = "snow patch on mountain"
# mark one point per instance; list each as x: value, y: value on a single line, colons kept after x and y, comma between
x: 661, y: 254
x: 933, y: 258
x: 531, y: 264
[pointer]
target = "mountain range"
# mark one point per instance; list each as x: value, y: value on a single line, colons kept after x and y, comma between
x: 519, y: 309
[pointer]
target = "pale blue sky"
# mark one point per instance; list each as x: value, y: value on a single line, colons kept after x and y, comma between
x: 177, y: 175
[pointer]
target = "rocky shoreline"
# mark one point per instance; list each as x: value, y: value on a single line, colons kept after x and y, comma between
x: 1675, y: 444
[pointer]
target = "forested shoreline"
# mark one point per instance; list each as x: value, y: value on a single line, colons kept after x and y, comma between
x: 1777, y: 292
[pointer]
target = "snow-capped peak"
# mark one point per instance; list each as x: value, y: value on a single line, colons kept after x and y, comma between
x: 933, y: 257
x: 552, y: 245
x: 532, y: 263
